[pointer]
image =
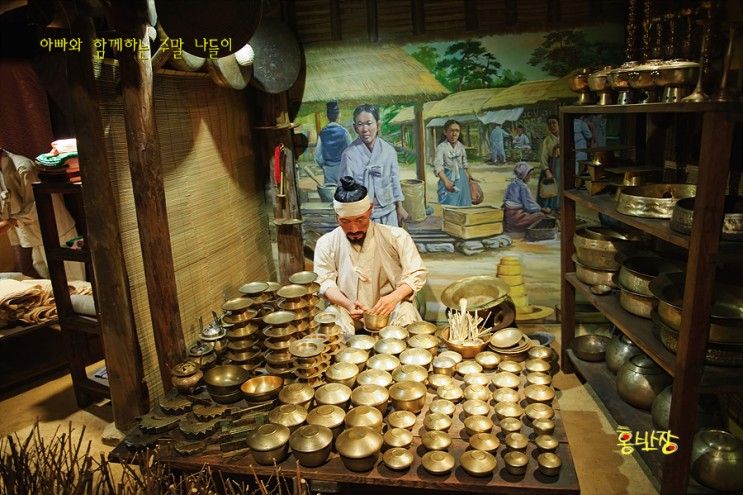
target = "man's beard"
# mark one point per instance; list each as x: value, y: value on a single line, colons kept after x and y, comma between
x: 359, y: 240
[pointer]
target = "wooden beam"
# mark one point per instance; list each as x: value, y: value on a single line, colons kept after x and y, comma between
x: 554, y: 12
x: 512, y: 13
x: 149, y: 193
x: 116, y: 318
x: 471, y: 19
x: 372, y: 21
x: 420, y: 145
x: 336, y: 31
x: 418, y: 15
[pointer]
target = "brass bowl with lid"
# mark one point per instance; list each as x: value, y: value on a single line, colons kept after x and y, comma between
x: 508, y: 410
x: 539, y: 410
x: 398, y: 437
x: 538, y: 378
x: 367, y: 416
x: 478, y: 424
x: 478, y: 392
x: 329, y: 416
x: 384, y: 362
x: 436, y: 440
x: 516, y: 462
x: 543, y: 426
x: 510, y: 425
x: 401, y: 419
x: 425, y: 341
x: 438, y: 380
x: 398, y: 459
x: 546, y: 443
x: 393, y: 332
x: 421, y: 357
x: 186, y: 376
x: 290, y: 415
x: 269, y: 444
x: 444, y: 365
x: 476, y: 407
x: 508, y: 366
x: 374, y: 377
x: 537, y: 366
x: 450, y: 392
x: 363, y: 342
x: 333, y: 394
x: 467, y: 367
x: 506, y: 395
x: 410, y: 372
x: 486, y: 442
x: 539, y: 393
x: 390, y: 346
x: 505, y: 379
x: 421, y: 328
x: 343, y: 373
x: 297, y: 393
x: 438, y: 462
x: 549, y: 464
x: 359, y: 448
x: 371, y: 395
x: 478, y: 463
x: 408, y: 395
x: 488, y: 360
x: 311, y: 445
x: 517, y: 441
x: 476, y: 379
x: 352, y: 355
x: 442, y: 406
x: 262, y: 388
x: 437, y: 422
x: 542, y: 352
x: 453, y: 355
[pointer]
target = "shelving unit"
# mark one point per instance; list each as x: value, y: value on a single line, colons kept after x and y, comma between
x: 691, y: 375
x: 77, y: 329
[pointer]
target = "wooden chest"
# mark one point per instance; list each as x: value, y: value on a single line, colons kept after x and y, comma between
x: 473, y: 231
x: 472, y: 215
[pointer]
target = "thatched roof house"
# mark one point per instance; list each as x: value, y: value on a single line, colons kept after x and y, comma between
x: 530, y: 93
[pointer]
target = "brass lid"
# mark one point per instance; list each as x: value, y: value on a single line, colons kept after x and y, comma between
x: 478, y: 424
x: 543, y: 426
x: 538, y: 378
x: 539, y: 411
x: 510, y: 367
x: 407, y: 391
x: 374, y: 377
x: 398, y: 459
x: 293, y: 291
x: 369, y: 395
x: 539, y: 393
x: 437, y: 462
x: 398, y: 437
x: 423, y: 341
x: 268, y: 437
x: 326, y: 415
x: 238, y: 304
x: 200, y: 349
x: 484, y: 441
x: 467, y: 367
x: 351, y: 355
x: 443, y: 362
x: 517, y: 441
x: 442, y: 406
x: 450, y: 392
x: 539, y: 365
x: 453, y: 355
x: 479, y: 392
x: 410, y: 372
x: 393, y: 332
x: 487, y: 359
x: 437, y: 380
x: 359, y: 442
x: 541, y: 352
x: 363, y: 342
x: 421, y: 357
x: 504, y: 379
x: 306, y: 348
x: 279, y: 318
x: 339, y: 372
x: 510, y: 425
x: 302, y: 278
x: 437, y: 422
x: 389, y: 346
x: 477, y: 379
x: 296, y: 393
x: 401, y: 419
x: 184, y: 369
x: 333, y: 393
x: 478, y: 462
x: 384, y: 362
x: 476, y: 407
x: 506, y: 395
x: 288, y: 415
x: 508, y: 410
x: 272, y: 286
x: 549, y: 460
x: 325, y: 318
x: 546, y: 442
x: 311, y: 438
x: 436, y: 440
x: 253, y: 288
x: 421, y: 328
x: 364, y: 416
x: 516, y: 459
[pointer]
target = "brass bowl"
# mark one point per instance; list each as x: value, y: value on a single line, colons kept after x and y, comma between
x: 436, y: 440
x: 443, y: 365
x: 488, y: 360
x: 478, y: 424
x: 539, y: 393
x: 398, y: 437
x: 596, y: 247
x: 437, y: 422
x: 542, y: 352
x: 279, y: 318
x: 297, y: 393
x: 510, y: 425
x: 477, y: 392
x: 590, y: 347
x: 578, y: 81
x: 421, y: 357
x: 506, y: 337
x: 450, y: 392
x: 487, y: 442
x: 262, y: 388
x: 303, y: 278
x: 343, y: 373
x: 508, y: 410
x: 517, y: 441
x: 363, y: 342
x: 351, y: 355
x: 546, y: 443
x: 390, y: 346
x: 637, y: 304
x: 510, y: 367
x: 421, y: 328
x: 504, y: 379
x: 467, y: 367
x: 384, y: 362
x: 516, y: 462
x: 549, y: 464
x: 591, y: 276
x: 393, y: 332
x: 654, y: 200
x: 732, y: 222
x: 437, y: 380
x: 482, y: 292
x: 311, y: 445
x: 374, y: 377
x: 438, y: 462
x: 398, y: 459
x: 225, y: 379
x: 371, y: 395
x: 442, y: 406
x: 289, y: 415
x: 478, y: 463
x: 333, y: 394
x: 537, y: 365
x: 676, y: 73
x: 269, y: 444
x: 539, y: 410
x: 253, y: 288
x: 408, y: 396
x: 506, y: 395
x: 375, y: 322
x: 637, y: 272
x: 538, y: 378
x: 476, y: 379
x: 424, y: 341
x: 367, y: 416
x: 543, y: 426
x: 359, y: 448
x: 468, y: 350
x: 329, y: 416
x: 476, y: 407
x: 410, y: 372
x: 292, y: 292
x: 453, y: 355
x: 401, y: 419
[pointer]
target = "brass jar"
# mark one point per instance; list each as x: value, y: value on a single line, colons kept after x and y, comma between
x: 640, y: 380
x: 393, y: 332
x: 466, y: 367
x: 476, y: 379
x: 619, y: 350
x: 539, y: 410
x: 510, y: 425
x: 505, y: 379
x: 443, y: 365
x: 311, y: 445
x: 539, y: 393
x: 269, y: 444
x: 398, y: 437
x: 352, y: 355
x: 289, y: 415
x: 186, y: 376
x: 359, y: 448
x: 538, y: 378
x: 453, y: 355
x: 716, y: 460
x: 486, y: 442
x: 363, y: 342
x: 371, y: 395
x: 408, y: 396
x: 478, y: 463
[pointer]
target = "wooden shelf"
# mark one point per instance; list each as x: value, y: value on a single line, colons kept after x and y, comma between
x: 642, y: 108
x: 67, y: 254
x: 59, y: 187
x: 640, y: 331
x: 81, y: 323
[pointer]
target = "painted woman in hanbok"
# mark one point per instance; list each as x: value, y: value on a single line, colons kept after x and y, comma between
x: 450, y: 166
x: 520, y: 209
x: 372, y: 161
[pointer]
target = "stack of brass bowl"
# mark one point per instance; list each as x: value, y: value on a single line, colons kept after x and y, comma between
x: 309, y: 361
x: 243, y: 339
x: 308, y: 280
x: 296, y: 299
x: 634, y: 279
x: 223, y: 383
x: 328, y: 326
x: 654, y: 200
x: 279, y: 334
x: 260, y: 293
x: 596, y: 250
x: 511, y: 344
x: 732, y: 222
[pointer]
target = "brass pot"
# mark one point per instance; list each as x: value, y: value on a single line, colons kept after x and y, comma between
x: 328, y: 416
x: 297, y: 393
x: 384, y: 362
x: 398, y: 437
x: 516, y: 462
x: 506, y: 395
x: 374, y: 377
x: 359, y: 448
x: 333, y: 394
x: 549, y: 464
x: 637, y: 304
x: 437, y: 422
x: 619, y: 350
x: 421, y: 357
x: 398, y: 459
x: 591, y: 276
x: 596, y: 247
x: 343, y: 373
x: 269, y: 444
x: 408, y: 396
x: 311, y: 445
x: 637, y: 272
x: 517, y: 441
x: 367, y: 416
x: 401, y: 419
x: 640, y: 380
x: 390, y: 346
x: 442, y: 406
x: 476, y: 407
x: 732, y: 222
x: 478, y: 463
x: 716, y: 460
x: 436, y: 440
x: 438, y: 462
x: 478, y: 424
x: 371, y: 395
x: 186, y: 376
x: 477, y: 392
x: 443, y: 365
x: 487, y: 442
x: 289, y: 415
x: 410, y: 372
x: 707, y: 415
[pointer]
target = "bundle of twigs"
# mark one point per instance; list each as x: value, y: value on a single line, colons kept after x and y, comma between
x: 465, y: 328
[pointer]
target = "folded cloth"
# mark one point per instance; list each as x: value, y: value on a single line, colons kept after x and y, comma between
x: 54, y: 160
x: 64, y: 146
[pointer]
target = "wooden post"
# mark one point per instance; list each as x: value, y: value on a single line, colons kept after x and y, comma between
x: 420, y: 146
x: 567, y: 222
x: 335, y: 20
x: 149, y: 194
x: 372, y: 23
x: 116, y: 318
x: 418, y: 16
x: 471, y: 19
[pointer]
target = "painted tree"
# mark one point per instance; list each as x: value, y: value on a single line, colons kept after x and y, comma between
x: 468, y: 65
x: 563, y: 51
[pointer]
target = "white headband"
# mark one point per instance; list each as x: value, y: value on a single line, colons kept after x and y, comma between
x: 353, y: 209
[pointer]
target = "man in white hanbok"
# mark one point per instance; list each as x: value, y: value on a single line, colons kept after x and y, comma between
x: 365, y: 266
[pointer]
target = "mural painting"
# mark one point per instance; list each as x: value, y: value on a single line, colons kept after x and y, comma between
x: 457, y: 142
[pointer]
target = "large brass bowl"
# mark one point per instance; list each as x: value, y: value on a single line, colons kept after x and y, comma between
x: 654, y: 200
x: 732, y: 223
x: 637, y: 272
x: 262, y: 388
x: 590, y: 347
x: 482, y: 292
x: 596, y: 247
x: 226, y: 379
x: 374, y: 321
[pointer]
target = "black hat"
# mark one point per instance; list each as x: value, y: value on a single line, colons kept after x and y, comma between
x: 332, y: 109
x: 349, y: 191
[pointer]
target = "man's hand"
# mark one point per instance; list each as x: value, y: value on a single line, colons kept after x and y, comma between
x: 386, y: 304
x: 357, y: 310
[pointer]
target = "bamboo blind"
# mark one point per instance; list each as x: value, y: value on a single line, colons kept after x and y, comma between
x: 214, y: 195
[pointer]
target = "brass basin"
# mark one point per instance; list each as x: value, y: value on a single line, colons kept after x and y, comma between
x: 732, y: 223
x: 654, y: 200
